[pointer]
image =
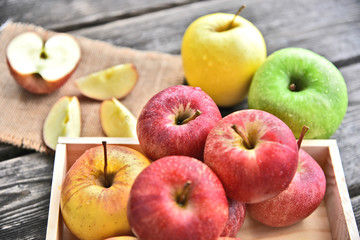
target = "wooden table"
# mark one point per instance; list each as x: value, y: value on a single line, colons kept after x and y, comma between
x: 328, y: 27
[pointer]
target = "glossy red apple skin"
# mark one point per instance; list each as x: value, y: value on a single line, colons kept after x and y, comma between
x: 228, y: 238
x: 34, y: 83
x: 237, y: 213
x: 157, y: 131
x: 252, y: 175
x: 304, y: 195
x: 154, y: 212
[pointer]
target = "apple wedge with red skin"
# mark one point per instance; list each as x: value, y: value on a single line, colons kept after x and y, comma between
x: 176, y: 121
x: 254, y: 154
x: 177, y: 197
x: 39, y: 65
x: 303, y: 196
x: 237, y: 213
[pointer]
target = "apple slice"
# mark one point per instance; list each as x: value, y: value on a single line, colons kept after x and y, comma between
x: 114, y: 82
x: 41, y: 66
x: 64, y: 119
x: 117, y: 120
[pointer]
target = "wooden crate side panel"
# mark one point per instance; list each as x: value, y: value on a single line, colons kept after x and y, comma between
x: 341, y: 215
x: 54, y: 229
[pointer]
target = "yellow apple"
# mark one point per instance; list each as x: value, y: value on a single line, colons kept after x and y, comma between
x: 117, y: 120
x: 96, y: 190
x: 122, y: 238
x: 63, y: 120
x: 42, y: 65
x: 114, y: 82
x: 221, y: 56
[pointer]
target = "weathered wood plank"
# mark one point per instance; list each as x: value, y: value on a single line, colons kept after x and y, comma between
x: 336, y: 34
x: 25, y: 184
x: 355, y: 201
x: 8, y: 151
x: 349, y: 131
x: 60, y: 16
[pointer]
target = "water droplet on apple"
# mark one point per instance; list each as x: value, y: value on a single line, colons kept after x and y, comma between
x: 210, y: 63
x: 204, y: 57
x: 88, y: 202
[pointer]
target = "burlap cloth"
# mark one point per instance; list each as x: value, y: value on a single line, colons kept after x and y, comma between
x: 23, y: 113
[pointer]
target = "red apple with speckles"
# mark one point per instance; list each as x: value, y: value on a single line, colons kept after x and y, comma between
x: 254, y: 154
x: 237, y: 212
x: 176, y: 121
x: 177, y: 197
x: 304, y: 195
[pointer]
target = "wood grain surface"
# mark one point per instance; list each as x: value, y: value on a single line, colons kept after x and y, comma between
x: 328, y: 27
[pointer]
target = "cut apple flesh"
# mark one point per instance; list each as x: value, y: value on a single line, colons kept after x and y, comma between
x: 63, y: 120
x: 56, y: 58
x: 113, y: 82
x: 117, y: 120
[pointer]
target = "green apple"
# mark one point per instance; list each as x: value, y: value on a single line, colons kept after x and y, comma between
x: 301, y: 88
x: 220, y: 54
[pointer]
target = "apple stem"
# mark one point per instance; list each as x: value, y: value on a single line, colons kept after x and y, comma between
x: 246, y: 140
x: 107, y: 184
x: 302, y: 134
x: 195, y: 115
x: 292, y: 87
x: 237, y: 13
x: 184, y: 194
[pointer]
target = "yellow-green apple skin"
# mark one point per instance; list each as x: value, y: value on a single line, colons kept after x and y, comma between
x: 122, y: 238
x: 92, y: 210
x: 63, y: 120
x: 222, y: 59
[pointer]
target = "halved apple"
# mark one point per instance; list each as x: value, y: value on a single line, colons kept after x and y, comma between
x: 42, y: 66
x: 116, y: 119
x: 114, y: 82
x: 63, y: 120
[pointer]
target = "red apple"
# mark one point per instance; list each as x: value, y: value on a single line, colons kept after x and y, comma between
x: 237, y: 212
x: 177, y: 197
x: 253, y: 153
x: 228, y: 238
x: 176, y: 121
x: 42, y: 65
x: 304, y: 195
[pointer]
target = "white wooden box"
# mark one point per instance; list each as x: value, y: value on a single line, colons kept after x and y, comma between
x: 333, y: 219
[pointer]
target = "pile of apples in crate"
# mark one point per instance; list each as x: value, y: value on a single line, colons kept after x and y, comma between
x: 199, y: 173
